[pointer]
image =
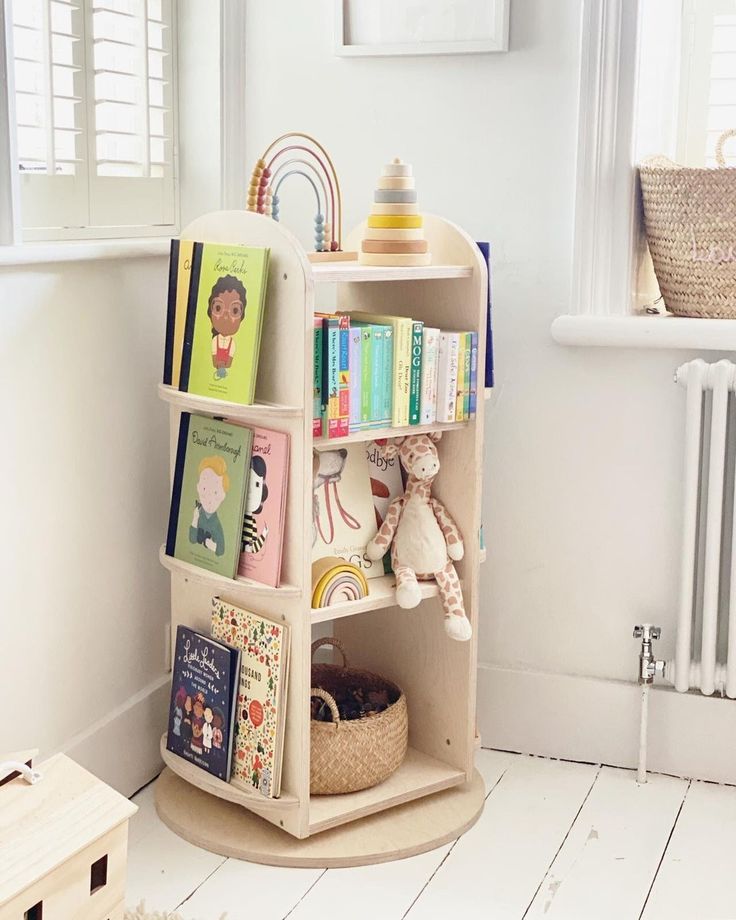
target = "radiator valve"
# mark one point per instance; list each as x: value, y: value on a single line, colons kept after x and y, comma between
x: 649, y: 666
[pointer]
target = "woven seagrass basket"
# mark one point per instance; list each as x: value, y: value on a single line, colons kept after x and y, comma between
x: 357, y: 754
x: 690, y: 220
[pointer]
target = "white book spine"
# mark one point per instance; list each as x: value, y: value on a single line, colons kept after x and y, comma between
x: 430, y: 361
x: 447, y: 376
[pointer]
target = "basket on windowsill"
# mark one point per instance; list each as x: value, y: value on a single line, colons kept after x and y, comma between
x: 690, y: 220
x: 347, y: 756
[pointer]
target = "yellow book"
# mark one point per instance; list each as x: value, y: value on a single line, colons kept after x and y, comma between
x: 460, y: 403
x: 402, y: 327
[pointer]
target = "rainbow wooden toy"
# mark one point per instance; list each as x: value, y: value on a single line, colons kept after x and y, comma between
x: 394, y: 233
x: 297, y: 154
x: 335, y: 581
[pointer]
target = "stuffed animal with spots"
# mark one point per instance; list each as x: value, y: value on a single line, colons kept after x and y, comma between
x: 424, y: 539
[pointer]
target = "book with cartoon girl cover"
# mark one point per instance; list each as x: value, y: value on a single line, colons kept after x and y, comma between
x: 265, y: 507
x: 204, y: 686
x: 343, y: 516
x: 222, y: 333
x: 261, y: 701
x: 208, y: 493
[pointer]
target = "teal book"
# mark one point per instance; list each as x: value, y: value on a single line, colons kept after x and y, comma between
x: 379, y: 336
x: 387, y: 400
x: 415, y: 380
x: 208, y: 493
x: 468, y: 357
x: 366, y: 363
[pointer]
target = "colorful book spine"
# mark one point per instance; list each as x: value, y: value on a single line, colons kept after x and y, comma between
x: 356, y: 377
x: 377, y: 382
x: 415, y: 374
x: 343, y: 393
x: 447, y: 377
x: 171, y: 312
x: 430, y: 354
x: 468, y: 360
x: 460, y: 397
x: 366, y: 358
x: 473, y: 401
x: 330, y: 376
x: 317, y: 380
x: 387, y: 365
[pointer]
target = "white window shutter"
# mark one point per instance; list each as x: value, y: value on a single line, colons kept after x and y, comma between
x: 95, y: 112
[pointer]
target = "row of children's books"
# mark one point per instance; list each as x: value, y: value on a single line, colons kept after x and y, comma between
x: 216, y: 300
x: 376, y: 371
x: 228, y: 698
x: 228, y: 498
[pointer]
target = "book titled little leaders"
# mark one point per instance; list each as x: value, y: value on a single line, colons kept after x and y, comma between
x: 208, y: 493
x: 261, y: 700
x: 222, y: 334
x: 203, y: 692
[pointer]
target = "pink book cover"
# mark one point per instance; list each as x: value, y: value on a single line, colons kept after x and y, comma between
x: 265, y: 507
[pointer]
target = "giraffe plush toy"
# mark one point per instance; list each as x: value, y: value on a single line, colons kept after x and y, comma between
x: 424, y: 539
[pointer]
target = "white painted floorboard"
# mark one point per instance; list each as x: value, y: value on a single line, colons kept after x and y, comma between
x: 610, y: 857
x: 387, y: 890
x: 556, y: 841
x: 494, y: 870
x: 697, y: 878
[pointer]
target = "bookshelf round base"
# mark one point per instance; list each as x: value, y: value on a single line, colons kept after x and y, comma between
x: 406, y: 830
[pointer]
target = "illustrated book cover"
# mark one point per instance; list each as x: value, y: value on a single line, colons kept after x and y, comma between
x: 386, y: 485
x: 208, y: 493
x: 204, y: 685
x: 222, y: 334
x: 261, y: 696
x: 265, y: 507
x: 343, y: 514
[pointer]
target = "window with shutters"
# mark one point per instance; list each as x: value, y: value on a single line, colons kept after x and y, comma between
x: 94, y: 99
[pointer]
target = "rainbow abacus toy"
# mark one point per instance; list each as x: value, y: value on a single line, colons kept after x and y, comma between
x: 297, y: 154
x: 394, y: 232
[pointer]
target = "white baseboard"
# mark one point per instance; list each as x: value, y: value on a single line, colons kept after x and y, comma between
x: 122, y: 748
x: 597, y: 721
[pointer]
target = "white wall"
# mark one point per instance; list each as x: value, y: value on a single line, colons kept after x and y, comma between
x: 583, y: 446
x: 84, y: 465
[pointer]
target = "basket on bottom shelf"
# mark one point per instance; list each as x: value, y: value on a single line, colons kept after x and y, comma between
x: 353, y: 754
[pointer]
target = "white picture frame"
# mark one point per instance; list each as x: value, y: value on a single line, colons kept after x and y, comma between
x: 382, y: 28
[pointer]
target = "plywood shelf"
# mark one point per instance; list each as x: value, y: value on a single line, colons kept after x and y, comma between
x: 381, y: 595
x: 227, y: 791
x: 418, y: 775
x: 220, y: 583
x: 409, y: 647
x: 257, y: 414
x: 340, y: 272
x: 374, y: 434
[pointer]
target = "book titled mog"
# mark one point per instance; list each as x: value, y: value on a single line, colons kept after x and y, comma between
x: 208, y: 494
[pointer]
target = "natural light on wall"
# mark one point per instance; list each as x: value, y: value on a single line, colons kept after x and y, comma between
x: 94, y: 102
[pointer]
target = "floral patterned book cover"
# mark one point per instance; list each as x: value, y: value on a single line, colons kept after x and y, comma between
x: 202, y: 710
x: 261, y: 700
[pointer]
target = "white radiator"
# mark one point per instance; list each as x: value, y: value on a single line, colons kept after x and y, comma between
x: 705, y: 653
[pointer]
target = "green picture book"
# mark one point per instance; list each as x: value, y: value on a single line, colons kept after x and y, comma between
x: 208, y: 494
x: 222, y: 335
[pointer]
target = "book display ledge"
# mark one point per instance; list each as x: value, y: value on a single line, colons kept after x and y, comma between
x: 436, y: 794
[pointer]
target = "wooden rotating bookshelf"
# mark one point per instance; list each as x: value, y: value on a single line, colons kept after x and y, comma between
x: 436, y: 793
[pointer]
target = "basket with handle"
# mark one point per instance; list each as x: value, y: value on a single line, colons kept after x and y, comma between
x: 690, y: 221
x: 350, y: 755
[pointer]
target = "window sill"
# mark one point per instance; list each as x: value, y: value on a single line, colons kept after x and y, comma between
x: 83, y: 251
x: 646, y: 332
